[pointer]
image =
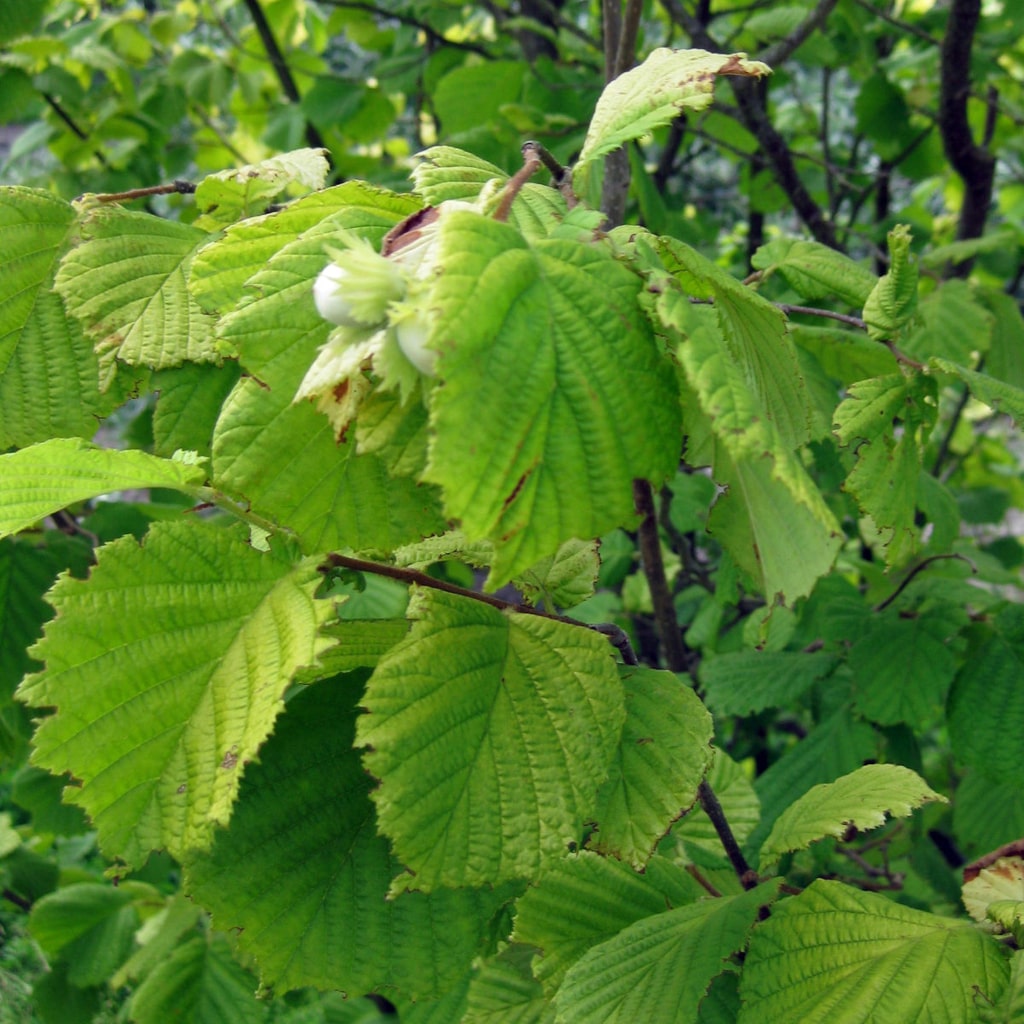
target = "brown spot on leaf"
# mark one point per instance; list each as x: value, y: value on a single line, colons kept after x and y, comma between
x: 230, y: 760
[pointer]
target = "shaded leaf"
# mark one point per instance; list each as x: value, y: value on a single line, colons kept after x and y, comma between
x: 586, y: 900
x: 504, y: 991
x: 745, y: 682
x: 815, y: 271
x: 49, y: 374
x: 303, y: 872
x: 661, y: 967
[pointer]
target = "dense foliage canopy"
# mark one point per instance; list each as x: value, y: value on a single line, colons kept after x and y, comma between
x: 599, y: 599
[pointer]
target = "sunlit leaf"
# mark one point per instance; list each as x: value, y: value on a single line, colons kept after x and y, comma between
x: 862, y: 799
x: 170, y: 662
x: 836, y: 953
x: 490, y: 734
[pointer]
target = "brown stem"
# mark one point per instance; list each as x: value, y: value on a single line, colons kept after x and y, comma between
x: 280, y: 66
x: 974, y: 164
x: 713, y: 809
x: 175, y: 187
x: 675, y: 652
x: 532, y: 163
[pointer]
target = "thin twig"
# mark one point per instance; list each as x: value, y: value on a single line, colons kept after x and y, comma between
x: 175, y: 187
x: 532, y: 163
x: 853, y: 321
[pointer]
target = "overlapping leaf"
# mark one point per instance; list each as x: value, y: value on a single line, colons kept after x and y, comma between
x: 661, y: 967
x: 883, y: 420
x: 303, y: 872
x: 586, y: 900
x: 555, y: 395
x: 663, y: 755
x: 127, y: 284
x: 815, y: 271
x: 490, y: 734
x: 1000, y: 395
x: 49, y: 374
x: 862, y: 799
x: 838, y: 953
x: 893, y: 300
x: 167, y: 669
x: 504, y: 991
x: 45, y: 477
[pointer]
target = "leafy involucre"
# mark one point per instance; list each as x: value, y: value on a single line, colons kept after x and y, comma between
x: 663, y: 754
x: 555, y: 395
x: 127, y: 284
x: 51, y: 475
x: 49, y: 374
x: 661, y: 967
x: 667, y: 83
x: 303, y: 873
x: 167, y: 668
x: 834, y: 953
x: 862, y: 799
x: 490, y: 734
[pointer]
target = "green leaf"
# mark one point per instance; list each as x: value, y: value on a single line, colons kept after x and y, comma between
x: 835, y: 953
x: 199, y: 982
x: 319, y: 488
x: 815, y: 271
x: 490, y: 734
x: 359, y: 643
x: 444, y: 173
x: 89, y: 925
x: 903, y: 667
x: 26, y: 573
x: 595, y: 403
x: 952, y: 324
x: 754, y: 336
x: 230, y: 195
x: 663, y: 755
x: 862, y: 799
x: 193, y: 638
x: 745, y: 682
x: 1006, y: 398
x: 588, y: 899
x: 885, y: 421
x: 987, y: 812
x: 49, y: 374
x: 838, y: 745
x: 221, y: 269
x: 893, y: 300
x: 661, y: 967
x: 504, y: 991
x: 51, y: 475
x: 189, y: 404
x: 667, y: 84
x: 986, y: 710
x: 303, y: 872
x: 565, y: 578
x: 1009, y: 1007
x: 127, y: 284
